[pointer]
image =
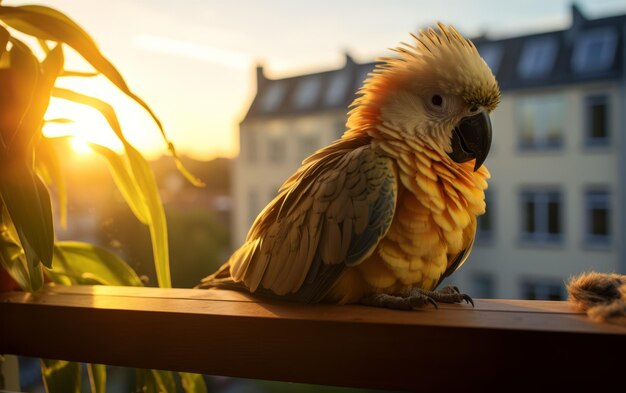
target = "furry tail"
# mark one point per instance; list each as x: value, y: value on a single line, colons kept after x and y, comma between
x: 601, y: 295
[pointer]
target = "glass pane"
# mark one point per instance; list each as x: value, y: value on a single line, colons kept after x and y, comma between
x: 308, y: 145
x: 537, y: 57
x: 594, y: 51
x: 542, y: 121
x: 483, y: 286
x: 307, y: 92
x: 337, y: 89
x: 272, y: 98
x: 484, y: 222
x: 553, y: 218
x: 599, y: 221
x: 555, y: 292
x: 598, y: 121
x: 276, y: 150
x: 530, y: 216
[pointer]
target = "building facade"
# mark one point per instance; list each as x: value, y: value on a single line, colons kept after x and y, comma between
x: 558, y: 159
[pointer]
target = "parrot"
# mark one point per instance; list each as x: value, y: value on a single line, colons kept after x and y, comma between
x: 383, y: 214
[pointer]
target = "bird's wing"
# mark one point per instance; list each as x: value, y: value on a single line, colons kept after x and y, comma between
x: 330, y: 214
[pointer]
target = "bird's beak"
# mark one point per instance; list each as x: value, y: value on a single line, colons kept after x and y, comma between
x: 471, y: 139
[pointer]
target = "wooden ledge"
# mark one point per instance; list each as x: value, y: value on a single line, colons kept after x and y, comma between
x: 228, y: 333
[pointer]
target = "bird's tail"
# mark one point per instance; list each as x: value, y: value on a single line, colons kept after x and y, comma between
x: 221, y: 279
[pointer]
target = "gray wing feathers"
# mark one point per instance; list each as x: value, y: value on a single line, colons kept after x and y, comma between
x: 331, y: 214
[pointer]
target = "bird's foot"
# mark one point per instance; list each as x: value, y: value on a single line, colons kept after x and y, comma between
x: 417, y: 298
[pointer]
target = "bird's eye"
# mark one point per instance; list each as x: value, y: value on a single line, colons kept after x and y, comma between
x: 437, y: 100
x: 473, y: 108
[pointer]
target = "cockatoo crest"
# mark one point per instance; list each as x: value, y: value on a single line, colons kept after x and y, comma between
x: 437, y: 61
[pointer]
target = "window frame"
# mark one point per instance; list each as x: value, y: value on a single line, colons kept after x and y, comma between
x: 538, y: 57
x: 581, y: 62
x: 589, y: 101
x: 273, y: 96
x: 539, y: 144
x: 589, y: 239
x: 542, y: 196
x: 477, y: 280
x: 484, y: 237
x: 276, y: 148
x: 307, y: 92
x: 541, y: 283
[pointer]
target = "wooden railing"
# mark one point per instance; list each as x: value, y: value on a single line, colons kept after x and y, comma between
x: 499, y: 343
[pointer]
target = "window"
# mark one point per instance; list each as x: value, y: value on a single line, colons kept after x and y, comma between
x: 483, y: 285
x: 492, y: 54
x: 273, y: 96
x: 307, y: 91
x: 276, y: 149
x: 484, y: 224
x: 541, y: 216
x: 597, y: 120
x: 254, y: 205
x: 308, y: 144
x: 537, y: 58
x: 542, y: 289
x: 597, y: 217
x: 594, y: 51
x: 337, y: 89
x: 541, y: 121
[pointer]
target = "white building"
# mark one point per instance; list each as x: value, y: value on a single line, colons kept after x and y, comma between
x: 558, y: 159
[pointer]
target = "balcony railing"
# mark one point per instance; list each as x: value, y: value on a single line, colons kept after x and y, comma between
x: 499, y: 343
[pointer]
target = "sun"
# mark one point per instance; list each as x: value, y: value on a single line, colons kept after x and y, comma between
x: 86, y: 125
x: 80, y: 147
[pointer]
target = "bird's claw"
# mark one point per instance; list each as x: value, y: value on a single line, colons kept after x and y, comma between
x: 433, y: 302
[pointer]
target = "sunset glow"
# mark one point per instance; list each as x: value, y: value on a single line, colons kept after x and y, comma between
x: 194, y: 63
x: 80, y: 147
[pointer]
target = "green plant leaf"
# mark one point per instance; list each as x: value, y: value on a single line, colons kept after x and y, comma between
x: 50, y: 24
x: 30, y: 124
x: 13, y: 260
x: 28, y: 202
x: 81, y: 74
x: 125, y: 183
x: 48, y: 167
x: 154, y: 381
x: 23, y: 267
x: 164, y: 380
x: 158, y: 227
x: 193, y: 383
x: 144, y: 184
x: 97, y: 377
x: 61, y: 376
x: 86, y: 264
x: 19, y: 85
x: 101, y: 106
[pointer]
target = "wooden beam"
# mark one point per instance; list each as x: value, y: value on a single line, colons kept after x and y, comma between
x: 227, y: 333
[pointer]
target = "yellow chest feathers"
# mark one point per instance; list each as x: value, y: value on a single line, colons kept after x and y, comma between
x: 435, y: 219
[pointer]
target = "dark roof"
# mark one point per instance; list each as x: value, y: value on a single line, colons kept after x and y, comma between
x: 589, y: 50
x: 329, y: 90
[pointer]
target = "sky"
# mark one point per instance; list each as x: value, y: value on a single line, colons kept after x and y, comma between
x: 193, y: 61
